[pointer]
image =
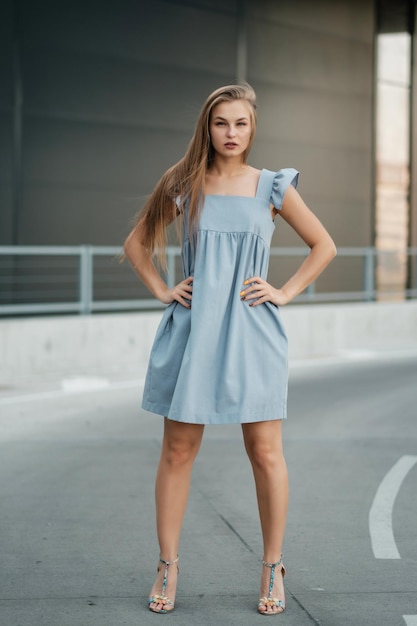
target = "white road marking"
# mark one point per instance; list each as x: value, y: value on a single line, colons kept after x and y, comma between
x: 410, y: 620
x: 83, y: 383
x: 380, y: 514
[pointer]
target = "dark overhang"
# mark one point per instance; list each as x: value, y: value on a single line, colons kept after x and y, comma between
x: 395, y: 16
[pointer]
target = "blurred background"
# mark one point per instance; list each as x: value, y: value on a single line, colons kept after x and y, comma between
x: 98, y: 98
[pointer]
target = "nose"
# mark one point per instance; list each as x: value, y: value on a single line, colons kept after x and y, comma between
x: 231, y: 131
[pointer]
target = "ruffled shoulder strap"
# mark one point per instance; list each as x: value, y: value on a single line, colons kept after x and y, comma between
x: 265, y: 183
x: 273, y: 185
x: 282, y: 180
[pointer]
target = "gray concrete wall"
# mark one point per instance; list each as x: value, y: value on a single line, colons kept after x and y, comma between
x: 111, y: 92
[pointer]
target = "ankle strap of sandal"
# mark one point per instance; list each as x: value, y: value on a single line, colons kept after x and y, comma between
x: 168, y: 563
x: 166, y: 566
x: 272, y: 565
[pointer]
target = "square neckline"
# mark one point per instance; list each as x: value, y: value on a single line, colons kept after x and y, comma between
x: 226, y: 195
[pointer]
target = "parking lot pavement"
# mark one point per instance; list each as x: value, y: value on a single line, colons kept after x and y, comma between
x: 78, y: 542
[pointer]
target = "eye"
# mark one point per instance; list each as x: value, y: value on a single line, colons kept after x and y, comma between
x: 242, y: 124
x: 219, y: 123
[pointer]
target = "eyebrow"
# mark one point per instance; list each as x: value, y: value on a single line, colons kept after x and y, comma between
x: 240, y: 119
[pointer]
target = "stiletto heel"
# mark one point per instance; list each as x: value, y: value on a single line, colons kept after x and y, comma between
x: 272, y: 606
x: 162, y: 598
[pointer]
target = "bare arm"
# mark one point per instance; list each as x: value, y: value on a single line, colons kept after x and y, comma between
x: 142, y: 263
x: 296, y: 213
x: 322, y: 250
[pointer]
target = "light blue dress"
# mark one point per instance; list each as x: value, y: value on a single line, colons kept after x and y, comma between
x: 222, y: 361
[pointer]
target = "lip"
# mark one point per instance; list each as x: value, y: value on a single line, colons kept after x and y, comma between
x: 230, y: 144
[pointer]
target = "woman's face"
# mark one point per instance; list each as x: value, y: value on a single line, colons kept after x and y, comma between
x: 231, y: 128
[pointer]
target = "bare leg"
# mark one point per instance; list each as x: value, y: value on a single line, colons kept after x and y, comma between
x: 180, y: 445
x: 263, y: 443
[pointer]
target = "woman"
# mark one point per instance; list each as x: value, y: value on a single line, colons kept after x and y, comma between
x: 220, y: 352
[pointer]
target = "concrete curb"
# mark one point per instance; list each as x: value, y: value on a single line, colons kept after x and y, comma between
x: 119, y: 344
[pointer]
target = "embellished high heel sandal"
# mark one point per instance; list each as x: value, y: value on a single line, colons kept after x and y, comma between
x: 168, y: 604
x: 270, y: 605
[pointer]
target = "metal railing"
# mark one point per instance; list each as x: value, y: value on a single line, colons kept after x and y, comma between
x: 87, y: 279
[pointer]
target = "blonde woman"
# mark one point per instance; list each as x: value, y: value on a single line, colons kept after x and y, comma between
x: 220, y: 352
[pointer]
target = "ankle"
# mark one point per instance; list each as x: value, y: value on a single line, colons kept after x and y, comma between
x: 272, y: 560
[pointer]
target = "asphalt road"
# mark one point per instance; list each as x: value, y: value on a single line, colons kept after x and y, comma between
x: 77, y: 541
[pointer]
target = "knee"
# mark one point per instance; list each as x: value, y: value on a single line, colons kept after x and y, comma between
x: 179, y: 452
x: 264, y: 455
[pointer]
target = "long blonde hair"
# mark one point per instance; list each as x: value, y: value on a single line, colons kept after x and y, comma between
x: 184, y: 182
